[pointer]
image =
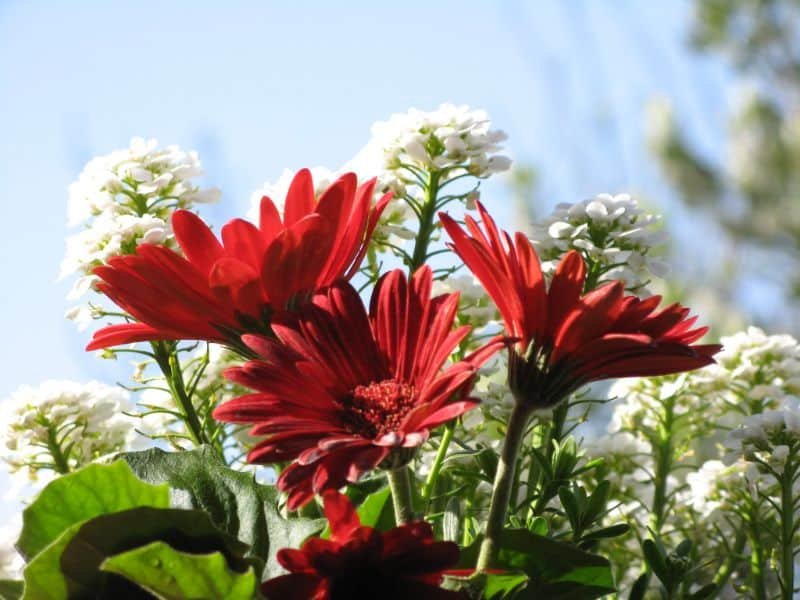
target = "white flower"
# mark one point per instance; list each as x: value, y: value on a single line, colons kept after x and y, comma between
x: 63, y: 424
x: 108, y: 236
x: 140, y: 179
x: 451, y: 139
x: 611, y: 232
x: 475, y: 304
x: 716, y: 484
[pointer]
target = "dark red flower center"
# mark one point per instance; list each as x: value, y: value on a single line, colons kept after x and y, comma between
x: 378, y: 408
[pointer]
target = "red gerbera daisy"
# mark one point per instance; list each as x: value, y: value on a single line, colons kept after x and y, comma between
x: 566, y: 338
x: 341, y: 392
x: 360, y: 563
x: 220, y: 290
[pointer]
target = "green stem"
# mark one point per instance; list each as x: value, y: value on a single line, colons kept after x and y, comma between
x: 59, y: 460
x: 501, y: 492
x: 400, y: 485
x: 430, y: 482
x: 787, y: 528
x: 167, y: 360
x: 427, y: 223
x: 663, y: 467
x: 735, y: 554
x: 757, y: 558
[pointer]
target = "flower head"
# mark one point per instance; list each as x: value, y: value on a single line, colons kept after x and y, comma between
x: 566, y: 338
x: 341, y: 391
x: 611, y: 233
x: 358, y: 562
x: 220, y: 290
x: 63, y: 425
x: 451, y: 139
x: 142, y: 178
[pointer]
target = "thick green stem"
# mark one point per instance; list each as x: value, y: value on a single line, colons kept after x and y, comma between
x: 504, y: 477
x: 430, y: 482
x: 757, y: 557
x: 427, y: 224
x: 400, y: 485
x: 787, y: 528
x: 167, y: 361
x: 664, y: 463
x: 59, y: 460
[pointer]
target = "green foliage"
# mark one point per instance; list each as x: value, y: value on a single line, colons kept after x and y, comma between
x: 75, y: 498
x: 174, y: 575
x: 235, y: 502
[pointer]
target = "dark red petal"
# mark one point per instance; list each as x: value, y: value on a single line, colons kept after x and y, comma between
x: 294, y: 587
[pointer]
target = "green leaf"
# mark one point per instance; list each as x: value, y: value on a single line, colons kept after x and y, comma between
x: 235, y: 502
x: 377, y: 510
x: 639, y: 588
x: 607, y: 532
x: 501, y: 587
x: 70, y: 566
x: 10, y: 590
x: 656, y: 561
x: 451, y: 521
x: 557, y: 570
x: 174, y: 575
x: 91, y: 491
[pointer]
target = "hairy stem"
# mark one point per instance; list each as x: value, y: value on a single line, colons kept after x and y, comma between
x: 787, y: 527
x: 501, y: 492
x: 400, y: 485
x: 427, y: 224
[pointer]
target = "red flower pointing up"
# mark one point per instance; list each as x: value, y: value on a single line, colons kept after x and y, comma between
x: 566, y: 338
x: 220, y: 290
x: 341, y: 392
x: 360, y: 563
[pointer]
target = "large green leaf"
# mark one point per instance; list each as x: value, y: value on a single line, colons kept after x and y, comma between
x: 93, y: 490
x: 235, y: 502
x: 70, y: 566
x: 173, y: 575
x: 556, y: 570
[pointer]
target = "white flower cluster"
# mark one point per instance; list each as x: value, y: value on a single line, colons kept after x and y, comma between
x: 452, y: 139
x: 141, y: 179
x: 767, y: 438
x: 717, y: 487
x: 474, y: 303
x: 614, y: 235
x: 62, y: 425
x: 124, y: 199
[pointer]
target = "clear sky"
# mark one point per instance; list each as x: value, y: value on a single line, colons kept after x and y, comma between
x: 259, y: 86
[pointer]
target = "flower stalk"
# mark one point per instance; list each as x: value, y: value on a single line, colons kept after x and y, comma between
x: 788, y: 525
x: 503, y: 480
x: 400, y: 486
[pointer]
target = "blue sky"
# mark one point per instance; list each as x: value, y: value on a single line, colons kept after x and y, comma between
x: 259, y: 86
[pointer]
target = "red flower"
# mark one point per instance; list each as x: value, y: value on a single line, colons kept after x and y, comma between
x: 340, y: 391
x: 567, y: 339
x: 220, y: 290
x: 360, y: 563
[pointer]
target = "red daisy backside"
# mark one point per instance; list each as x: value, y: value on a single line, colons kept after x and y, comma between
x: 566, y: 338
x: 340, y: 391
x: 217, y: 291
x: 360, y: 563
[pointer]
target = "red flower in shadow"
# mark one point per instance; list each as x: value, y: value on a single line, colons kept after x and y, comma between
x: 340, y: 391
x: 221, y: 290
x: 360, y: 563
x: 566, y: 338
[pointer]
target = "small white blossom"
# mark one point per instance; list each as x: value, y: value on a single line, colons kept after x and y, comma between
x: 140, y: 179
x: 62, y: 425
x: 109, y: 235
x: 452, y: 140
x: 611, y: 232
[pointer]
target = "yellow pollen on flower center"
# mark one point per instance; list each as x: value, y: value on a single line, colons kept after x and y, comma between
x: 378, y: 408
